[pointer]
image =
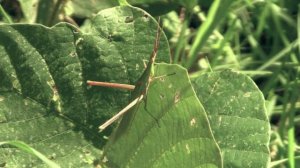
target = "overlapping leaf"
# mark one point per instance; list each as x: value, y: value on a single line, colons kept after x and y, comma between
x: 44, y: 100
x: 168, y: 129
x: 237, y: 113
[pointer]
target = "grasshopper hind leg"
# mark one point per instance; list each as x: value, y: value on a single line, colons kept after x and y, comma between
x: 149, y: 113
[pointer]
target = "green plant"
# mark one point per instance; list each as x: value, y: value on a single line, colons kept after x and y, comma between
x: 43, y: 74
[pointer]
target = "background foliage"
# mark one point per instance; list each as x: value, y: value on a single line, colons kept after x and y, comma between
x: 257, y: 38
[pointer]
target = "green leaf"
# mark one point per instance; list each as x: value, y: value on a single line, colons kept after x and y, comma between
x: 237, y: 113
x: 29, y: 9
x: 172, y: 130
x: 87, y: 8
x: 25, y: 147
x: 44, y: 99
x: 27, y: 120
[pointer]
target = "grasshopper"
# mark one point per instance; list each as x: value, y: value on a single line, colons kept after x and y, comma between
x: 143, y: 87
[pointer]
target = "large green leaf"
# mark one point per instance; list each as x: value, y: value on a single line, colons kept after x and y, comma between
x: 237, y: 113
x: 44, y: 100
x: 170, y: 130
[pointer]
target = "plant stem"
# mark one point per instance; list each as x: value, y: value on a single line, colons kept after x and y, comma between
x: 291, y: 127
x: 182, y: 40
x: 57, y: 8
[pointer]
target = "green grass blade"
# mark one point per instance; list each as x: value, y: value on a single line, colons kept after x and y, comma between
x: 278, y: 162
x: 298, y: 28
x: 284, y: 52
x: 5, y: 15
x: 24, y: 147
x: 182, y: 41
x: 291, y: 125
x: 216, y: 14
